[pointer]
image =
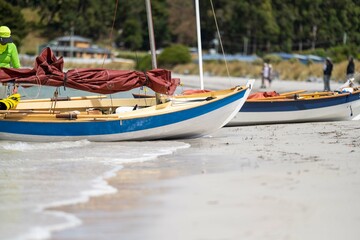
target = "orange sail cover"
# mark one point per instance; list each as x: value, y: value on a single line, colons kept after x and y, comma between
x: 48, y: 71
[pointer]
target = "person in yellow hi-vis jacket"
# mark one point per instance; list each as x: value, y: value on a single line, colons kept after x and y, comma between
x: 9, y: 56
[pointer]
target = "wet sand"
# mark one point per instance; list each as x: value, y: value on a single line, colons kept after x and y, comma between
x: 288, y: 181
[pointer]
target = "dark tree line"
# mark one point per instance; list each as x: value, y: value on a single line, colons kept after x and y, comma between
x: 246, y: 26
x: 11, y: 16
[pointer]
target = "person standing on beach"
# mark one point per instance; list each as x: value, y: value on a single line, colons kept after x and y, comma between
x: 9, y: 56
x: 328, y: 67
x: 266, y: 74
x: 350, y: 70
x: 263, y: 75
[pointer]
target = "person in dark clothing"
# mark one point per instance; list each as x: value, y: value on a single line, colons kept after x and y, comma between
x: 328, y: 67
x: 350, y: 70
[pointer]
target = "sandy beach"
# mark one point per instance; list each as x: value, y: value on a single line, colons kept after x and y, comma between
x: 286, y: 181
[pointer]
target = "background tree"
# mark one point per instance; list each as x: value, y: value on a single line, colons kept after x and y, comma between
x: 285, y: 17
x: 132, y: 33
x: 182, y: 25
x: 270, y: 28
x: 246, y: 26
x: 11, y: 16
x: 90, y: 18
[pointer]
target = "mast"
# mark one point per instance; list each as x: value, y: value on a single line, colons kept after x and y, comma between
x: 151, y: 34
x: 152, y: 41
x: 198, y: 31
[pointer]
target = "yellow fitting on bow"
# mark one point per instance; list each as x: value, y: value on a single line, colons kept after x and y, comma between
x: 10, y: 102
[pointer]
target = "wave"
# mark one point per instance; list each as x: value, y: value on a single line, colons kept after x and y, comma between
x: 49, y: 175
x: 30, y: 146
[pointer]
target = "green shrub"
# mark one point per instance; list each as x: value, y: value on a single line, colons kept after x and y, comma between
x: 272, y: 58
x: 310, y: 62
x: 357, y: 56
x: 317, y: 52
x: 294, y: 60
x: 258, y: 62
x: 144, y: 63
x: 131, y: 55
x: 173, y: 55
x: 342, y: 52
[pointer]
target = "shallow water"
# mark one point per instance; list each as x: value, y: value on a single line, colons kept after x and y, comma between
x: 36, y: 176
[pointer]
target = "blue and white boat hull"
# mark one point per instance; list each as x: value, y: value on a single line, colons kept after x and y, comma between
x: 173, y: 121
x: 330, y: 108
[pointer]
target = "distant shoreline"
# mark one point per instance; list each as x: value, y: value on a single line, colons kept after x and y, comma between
x: 217, y: 82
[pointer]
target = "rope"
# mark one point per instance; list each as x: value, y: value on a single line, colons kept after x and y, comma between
x: 219, y: 36
x: 38, y: 85
x: 112, y: 27
x: 65, y: 80
x: 53, y: 103
x: 110, y: 38
x: 146, y: 79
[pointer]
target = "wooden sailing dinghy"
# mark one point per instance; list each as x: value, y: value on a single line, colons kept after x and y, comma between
x: 300, y: 107
x: 96, y: 120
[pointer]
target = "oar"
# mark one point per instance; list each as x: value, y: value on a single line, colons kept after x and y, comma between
x: 274, y: 97
x: 63, y: 99
x: 74, y: 116
x: 63, y: 116
x: 27, y: 111
x: 292, y: 93
x: 316, y: 94
x: 285, y: 95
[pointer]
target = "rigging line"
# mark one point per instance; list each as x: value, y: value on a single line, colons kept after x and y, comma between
x: 219, y: 36
x: 53, y: 103
x: 110, y: 38
x: 112, y: 28
x: 38, y: 86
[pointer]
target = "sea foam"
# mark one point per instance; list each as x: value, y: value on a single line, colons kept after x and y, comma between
x: 37, y: 177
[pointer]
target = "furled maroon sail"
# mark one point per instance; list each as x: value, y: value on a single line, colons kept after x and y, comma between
x: 48, y: 71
